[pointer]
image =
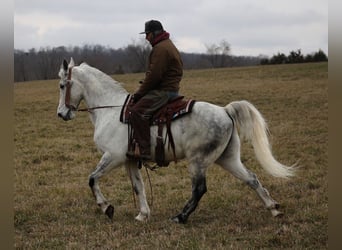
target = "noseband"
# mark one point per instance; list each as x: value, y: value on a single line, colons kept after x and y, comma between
x: 68, y: 94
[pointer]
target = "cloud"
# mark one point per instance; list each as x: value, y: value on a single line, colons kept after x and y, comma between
x: 190, y: 44
x: 45, y: 22
x: 258, y: 27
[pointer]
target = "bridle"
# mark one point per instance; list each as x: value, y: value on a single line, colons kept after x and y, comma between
x: 72, y: 107
x: 67, y: 92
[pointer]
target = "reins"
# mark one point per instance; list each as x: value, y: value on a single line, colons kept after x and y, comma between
x: 67, y: 98
x: 99, y: 107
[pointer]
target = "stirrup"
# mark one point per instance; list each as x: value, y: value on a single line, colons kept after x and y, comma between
x: 150, y: 167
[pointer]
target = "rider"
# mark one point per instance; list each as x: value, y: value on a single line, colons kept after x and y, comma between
x: 161, y: 83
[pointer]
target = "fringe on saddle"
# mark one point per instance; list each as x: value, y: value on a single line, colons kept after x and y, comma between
x: 174, y: 109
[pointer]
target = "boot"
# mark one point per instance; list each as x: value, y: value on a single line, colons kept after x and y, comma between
x: 136, y: 153
x: 141, y: 135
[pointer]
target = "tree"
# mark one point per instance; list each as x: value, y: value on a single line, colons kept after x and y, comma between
x: 218, y: 54
x: 48, y: 63
x: 295, y: 57
x: 45, y: 62
x: 308, y: 58
x: 280, y: 58
x: 320, y: 56
x: 137, y: 55
x: 20, y: 66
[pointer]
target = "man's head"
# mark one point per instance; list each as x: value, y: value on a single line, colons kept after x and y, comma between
x: 152, y: 29
x: 153, y: 26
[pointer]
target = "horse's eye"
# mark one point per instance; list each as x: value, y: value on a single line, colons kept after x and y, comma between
x: 61, y: 86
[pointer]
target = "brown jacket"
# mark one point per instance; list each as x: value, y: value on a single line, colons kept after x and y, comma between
x: 165, y: 69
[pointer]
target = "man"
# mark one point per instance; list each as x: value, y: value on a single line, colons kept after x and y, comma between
x: 161, y: 83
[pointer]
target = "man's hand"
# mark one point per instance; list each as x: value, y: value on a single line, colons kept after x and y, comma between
x: 136, y: 97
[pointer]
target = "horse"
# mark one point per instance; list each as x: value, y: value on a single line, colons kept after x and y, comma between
x: 208, y: 135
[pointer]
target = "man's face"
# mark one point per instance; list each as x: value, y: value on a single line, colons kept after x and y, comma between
x: 149, y: 37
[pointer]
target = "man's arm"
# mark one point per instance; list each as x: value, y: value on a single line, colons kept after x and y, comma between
x: 155, y: 72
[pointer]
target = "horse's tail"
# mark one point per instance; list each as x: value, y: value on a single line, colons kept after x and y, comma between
x: 253, y: 128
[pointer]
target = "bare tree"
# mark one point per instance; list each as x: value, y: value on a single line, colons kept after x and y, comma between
x: 20, y: 71
x: 45, y: 62
x: 218, y: 54
x: 137, y: 55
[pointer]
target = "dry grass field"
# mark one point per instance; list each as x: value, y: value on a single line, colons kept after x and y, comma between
x: 54, y: 207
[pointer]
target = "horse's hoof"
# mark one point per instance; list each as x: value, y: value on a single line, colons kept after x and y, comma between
x: 110, y: 212
x: 178, y: 219
x: 141, y: 217
x: 276, y: 205
x: 277, y: 213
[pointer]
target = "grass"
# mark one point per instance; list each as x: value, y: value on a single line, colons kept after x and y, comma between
x: 54, y: 208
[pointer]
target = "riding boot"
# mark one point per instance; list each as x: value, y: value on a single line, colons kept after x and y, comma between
x: 140, y: 116
x: 141, y: 136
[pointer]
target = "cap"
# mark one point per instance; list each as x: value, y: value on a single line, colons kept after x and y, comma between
x: 152, y: 26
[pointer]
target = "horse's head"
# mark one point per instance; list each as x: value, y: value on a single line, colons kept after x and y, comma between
x: 70, y: 91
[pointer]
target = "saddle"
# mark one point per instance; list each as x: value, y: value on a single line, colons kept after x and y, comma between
x: 174, y: 109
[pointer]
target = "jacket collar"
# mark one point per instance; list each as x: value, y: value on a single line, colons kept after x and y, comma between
x: 162, y: 36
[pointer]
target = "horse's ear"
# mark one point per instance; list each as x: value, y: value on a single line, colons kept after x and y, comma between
x: 65, y: 65
x: 72, y: 63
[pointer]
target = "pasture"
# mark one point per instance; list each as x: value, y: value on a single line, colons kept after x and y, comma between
x: 54, y: 207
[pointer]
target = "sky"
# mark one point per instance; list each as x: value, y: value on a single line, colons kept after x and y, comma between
x: 251, y: 27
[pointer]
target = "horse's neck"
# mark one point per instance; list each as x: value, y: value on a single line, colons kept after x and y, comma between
x: 101, y: 90
x: 104, y: 95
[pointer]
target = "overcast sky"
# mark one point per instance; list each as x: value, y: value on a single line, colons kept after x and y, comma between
x: 251, y: 27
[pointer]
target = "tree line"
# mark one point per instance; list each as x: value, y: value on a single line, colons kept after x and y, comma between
x: 44, y: 64
x: 295, y: 57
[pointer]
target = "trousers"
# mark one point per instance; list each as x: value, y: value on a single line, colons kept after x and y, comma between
x: 140, y: 117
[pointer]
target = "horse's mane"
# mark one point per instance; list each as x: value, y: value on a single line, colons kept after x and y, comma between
x: 99, y: 75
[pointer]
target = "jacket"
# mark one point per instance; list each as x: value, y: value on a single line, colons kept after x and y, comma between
x: 165, y: 68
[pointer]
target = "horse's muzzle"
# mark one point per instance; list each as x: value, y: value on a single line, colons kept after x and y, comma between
x: 66, y: 117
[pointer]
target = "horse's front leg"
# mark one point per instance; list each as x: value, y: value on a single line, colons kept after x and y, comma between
x: 139, y: 189
x: 104, y: 166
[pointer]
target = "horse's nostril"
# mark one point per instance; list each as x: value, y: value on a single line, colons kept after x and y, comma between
x: 60, y: 115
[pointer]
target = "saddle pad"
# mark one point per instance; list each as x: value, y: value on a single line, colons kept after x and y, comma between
x: 175, y: 108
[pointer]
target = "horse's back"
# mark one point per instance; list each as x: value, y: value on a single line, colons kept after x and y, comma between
x: 205, y: 130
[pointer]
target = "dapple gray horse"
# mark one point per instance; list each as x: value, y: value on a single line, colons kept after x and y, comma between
x: 207, y: 135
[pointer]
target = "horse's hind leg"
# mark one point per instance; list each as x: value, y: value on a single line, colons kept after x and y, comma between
x: 104, y: 166
x: 199, y: 188
x: 252, y: 181
x: 230, y: 160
